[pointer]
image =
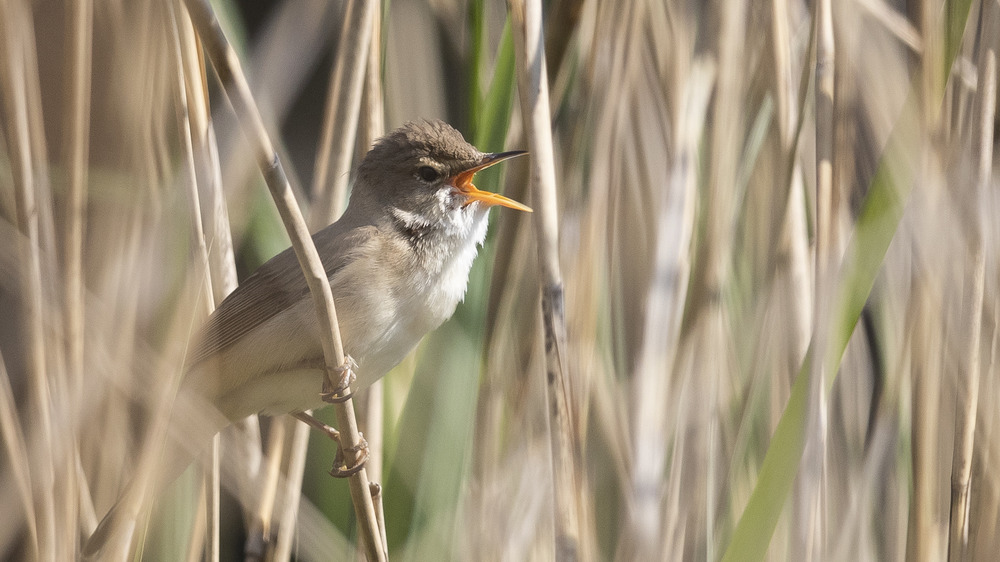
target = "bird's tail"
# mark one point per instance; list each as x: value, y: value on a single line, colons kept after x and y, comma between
x: 188, y: 436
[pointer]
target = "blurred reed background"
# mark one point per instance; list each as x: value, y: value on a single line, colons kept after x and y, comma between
x: 780, y: 276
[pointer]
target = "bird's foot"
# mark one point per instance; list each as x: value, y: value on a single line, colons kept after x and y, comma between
x: 345, y: 378
x: 340, y: 468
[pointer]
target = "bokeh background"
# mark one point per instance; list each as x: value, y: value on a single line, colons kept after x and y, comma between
x: 779, y: 264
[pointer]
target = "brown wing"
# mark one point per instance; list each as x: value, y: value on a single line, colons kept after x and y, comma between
x: 264, y: 294
x: 274, y: 287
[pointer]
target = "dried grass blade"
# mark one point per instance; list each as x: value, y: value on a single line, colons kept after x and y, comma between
x: 529, y: 47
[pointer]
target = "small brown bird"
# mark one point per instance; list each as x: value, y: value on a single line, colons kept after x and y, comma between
x: 398, y: 261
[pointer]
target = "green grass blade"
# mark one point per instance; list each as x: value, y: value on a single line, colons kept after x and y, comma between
x: 876, y: 226
x: 494, y: 118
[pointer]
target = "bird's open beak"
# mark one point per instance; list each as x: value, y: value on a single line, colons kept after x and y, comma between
x: 463, y: 182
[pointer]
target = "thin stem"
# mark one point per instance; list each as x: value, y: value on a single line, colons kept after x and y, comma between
x: 15, y: 60
x: 811, y: 485
x: 529, y: 43
x: 77, y: 151
x: 290, y: 505
x: 373, y: 107
x: 965, y: 424
x: 343, y: 106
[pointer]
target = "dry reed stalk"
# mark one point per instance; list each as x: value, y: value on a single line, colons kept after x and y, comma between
x: 259, y: 537
x: 79, y: 55
x: 162, y: 93
x: 343, y: 107
x: 208, y: 531
x: 17, y: 57
x: 12, y: 432
x: 373, y: 127
x: 811, y: 486
x: 711, y: 350
x: 340, y: 127
x: 895, y: 23
x: 227, y: 66
x: 116, y: 282
x: 968, y: 393
x: 290, y: 452
x: 197, y: 545
x: 344, y: 98
x: 189, y: 169
x: 985, y: 506
x: 529, y: 48
x: 628, y: 77
x: 221, y: 266
x: 826, y: 191
x: 661, y: 339
x: 924, y: 538
x: 376, y: 490
x: 926, y: 541
x: 791, y: 280
x: 372, y: 115
x: 878, y: 221
x: 933, y: 74
x: 965, y: 423
x: 595, y: 168
x: 291, y: 493
x: 782, y: 45
x: 792, y: 241
x: 192, y: 107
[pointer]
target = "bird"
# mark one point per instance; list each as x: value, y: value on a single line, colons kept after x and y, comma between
x: 398, y: 262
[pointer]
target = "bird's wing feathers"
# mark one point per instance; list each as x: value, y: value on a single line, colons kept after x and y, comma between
x: 274, y: 287
x: 267, y: 292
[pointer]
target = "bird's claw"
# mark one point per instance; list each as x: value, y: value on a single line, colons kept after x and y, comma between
x: 346, y: 377
x: 340, y: 468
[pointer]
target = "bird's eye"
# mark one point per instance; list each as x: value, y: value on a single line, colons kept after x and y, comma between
x: 428, y: 174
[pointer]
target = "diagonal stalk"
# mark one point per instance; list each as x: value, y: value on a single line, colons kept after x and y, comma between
x: 226, y: 64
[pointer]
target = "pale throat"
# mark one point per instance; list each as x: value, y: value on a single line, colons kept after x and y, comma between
x: 444, y: 245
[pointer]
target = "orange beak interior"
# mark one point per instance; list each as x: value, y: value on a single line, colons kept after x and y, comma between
x: 463, y: 183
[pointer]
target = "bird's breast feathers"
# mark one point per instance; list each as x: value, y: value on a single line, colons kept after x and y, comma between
x: 393, y: 293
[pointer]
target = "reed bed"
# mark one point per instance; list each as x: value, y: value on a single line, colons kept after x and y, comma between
x: 753, y: 317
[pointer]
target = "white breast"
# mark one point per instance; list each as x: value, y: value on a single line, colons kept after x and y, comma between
x: 403, y: 300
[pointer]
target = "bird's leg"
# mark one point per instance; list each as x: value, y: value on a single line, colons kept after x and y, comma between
x: 318, y: 425
x: 340, y: 393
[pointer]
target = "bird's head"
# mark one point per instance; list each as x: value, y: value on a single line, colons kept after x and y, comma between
x: 426, y: 168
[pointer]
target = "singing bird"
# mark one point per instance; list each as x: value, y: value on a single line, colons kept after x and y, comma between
x: 398, y: 261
